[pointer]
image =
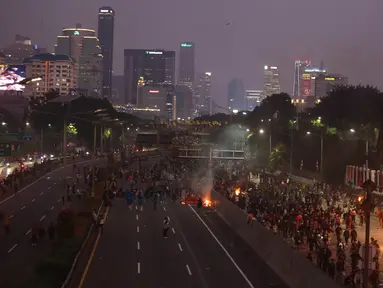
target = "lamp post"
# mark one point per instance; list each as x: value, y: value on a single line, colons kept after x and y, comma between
x: 228, y: 110
x: 321, y: 153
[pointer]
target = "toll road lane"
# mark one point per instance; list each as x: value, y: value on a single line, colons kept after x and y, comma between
x: 133, y: 252
x: 258, y: 272
x: 35, y: 208
x: 211, y: 256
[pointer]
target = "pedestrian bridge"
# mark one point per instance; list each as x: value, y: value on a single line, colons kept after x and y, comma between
x: 206, y: 153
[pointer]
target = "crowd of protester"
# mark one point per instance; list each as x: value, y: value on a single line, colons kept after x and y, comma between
x: 320, y: 222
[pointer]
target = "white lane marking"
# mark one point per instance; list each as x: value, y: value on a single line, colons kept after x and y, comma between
x: 53, y: 207
x: 11, y: 216
x: 189, y: 271
x: 26, y: 187
x: 12, y: 248
x: 59, y: 200
x: 136, y: 217
x: 224, y: 249
x: 138, y: 229
x: 29, y: 231
x: 23, y: 207
x: 42, y: 218
x: 138, y: 245
x: 174, y: 231
x: 164, y: 208
x: 33, y: 200
x: 138, y: 268
x: 179, y: 246
x: 42, y: 193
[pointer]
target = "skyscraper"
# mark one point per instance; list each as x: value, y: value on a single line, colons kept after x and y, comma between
x: 106, y: 37
x: 82, y: 45
x: 170, y: 67
x: 271, y: 84
x: 253, y: 99
x: 202, y: 94
x: 146, y: 67
x: 236, y: 95
x: 299, y: 68
x: 186, y: 74
x: 19, y: 50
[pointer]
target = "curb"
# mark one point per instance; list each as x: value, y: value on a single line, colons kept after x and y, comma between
x: 79, y: 253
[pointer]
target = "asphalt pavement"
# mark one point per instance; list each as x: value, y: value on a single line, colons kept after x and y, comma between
x: 201, y: 251
x: 37, y: 203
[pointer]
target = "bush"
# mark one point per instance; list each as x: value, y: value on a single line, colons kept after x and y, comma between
x: 52, y: 271
x: 65, y: 224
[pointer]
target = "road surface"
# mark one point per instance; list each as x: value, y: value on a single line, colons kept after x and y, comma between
x: 201, y: 251
x: 39, y: 202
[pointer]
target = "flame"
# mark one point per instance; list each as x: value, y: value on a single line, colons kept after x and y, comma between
x: 207, y: 203
x: 360, y: 198
x: 237, y: 192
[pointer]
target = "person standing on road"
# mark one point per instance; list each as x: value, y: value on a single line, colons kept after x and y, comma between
x: 7, y: 226
x: 155, y: 199
x: 51, y: 231
x: 166, y: 227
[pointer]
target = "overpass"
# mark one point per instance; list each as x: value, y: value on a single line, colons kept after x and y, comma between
x: 210, y: 153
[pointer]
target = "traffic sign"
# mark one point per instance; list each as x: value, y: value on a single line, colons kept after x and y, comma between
x: 5, y: 149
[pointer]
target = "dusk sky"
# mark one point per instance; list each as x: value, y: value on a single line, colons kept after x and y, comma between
x: 346, y: 34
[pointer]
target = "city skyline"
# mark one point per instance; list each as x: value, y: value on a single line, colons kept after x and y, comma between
x: 244, y: 59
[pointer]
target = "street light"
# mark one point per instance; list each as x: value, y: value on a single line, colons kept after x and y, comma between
x: 352, y: 130
x: 3, y: 123
x: 27, y: 124
x: 247, y: 130
x: 321, y: 153
x: 261, y: 131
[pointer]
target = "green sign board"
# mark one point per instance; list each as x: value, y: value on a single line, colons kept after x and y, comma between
x: 186, y: 45
x: 5, y: 149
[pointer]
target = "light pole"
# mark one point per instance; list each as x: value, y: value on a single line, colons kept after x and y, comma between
x: 94, y: 156
x: 321, y: 153
x: 228, y: 110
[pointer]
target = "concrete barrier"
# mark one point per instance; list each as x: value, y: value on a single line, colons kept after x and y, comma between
x: 295, y: 270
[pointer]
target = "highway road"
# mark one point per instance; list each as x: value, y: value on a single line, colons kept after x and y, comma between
x: 201, y: 251
x: 37, y: 203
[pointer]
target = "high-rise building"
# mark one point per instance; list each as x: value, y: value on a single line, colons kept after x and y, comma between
x: 307, y: 84
x: 58, y: 72
x: 271, y: 84
x: 236, y: 95
x: 2, y: 58
x: 170, y: 67
x: 202, y: 94
x: 106, y: 37
x: 145, y: 67
x: 183, y: 98
x: 299, y: 68
x: 21, y: 48
x: 253, y: 99
x: 83, y: 45
x: 186, y: 74
x: 326, y: 82
x: 118, y: 89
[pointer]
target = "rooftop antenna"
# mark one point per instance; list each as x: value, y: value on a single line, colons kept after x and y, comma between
x: 321, y: 65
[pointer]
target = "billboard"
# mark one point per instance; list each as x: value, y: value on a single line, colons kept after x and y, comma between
x: 306, y: 85
x: 10, y: 76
